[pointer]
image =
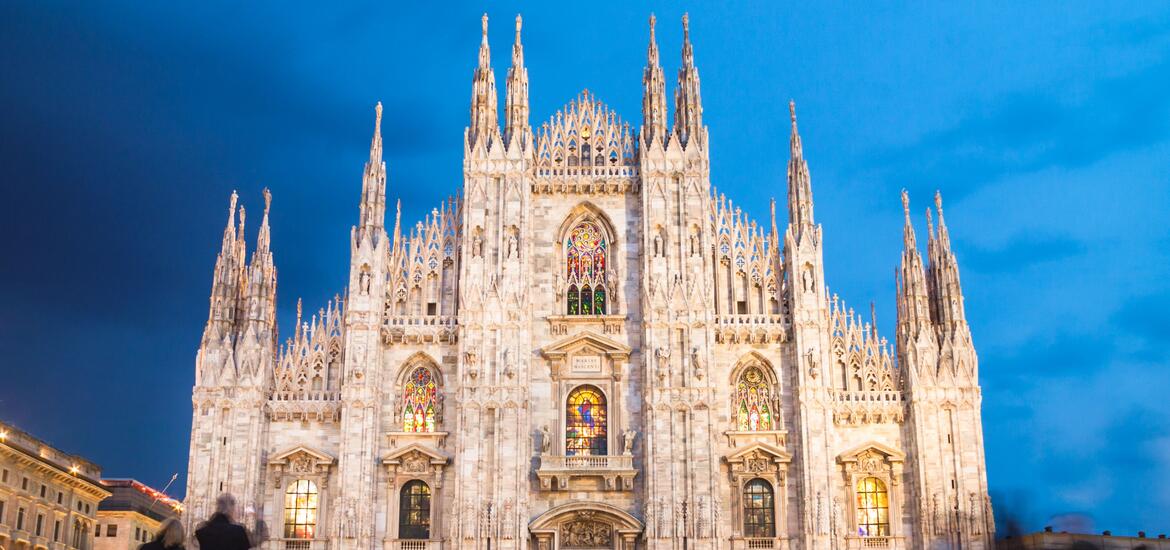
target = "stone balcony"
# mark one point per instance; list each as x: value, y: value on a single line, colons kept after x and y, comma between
x: 420, y: 329
x: 750, y: 328
x: 616, y: 471
x: 413, y: 544
x: 863, y: 543
x: 855, y: 407
x: 295, y: 544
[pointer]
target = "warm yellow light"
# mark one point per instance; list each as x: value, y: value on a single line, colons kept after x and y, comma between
x: 3, y: 435
x: 74, y: 469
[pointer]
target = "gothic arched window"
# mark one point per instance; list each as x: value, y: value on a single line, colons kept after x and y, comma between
x: 585, y: 423
x: 419, y: 401
x: 759, y: 509
x: 753, y: 397
x: 585, y: 265
x: 414, y: 511
x: 873, y: 508
x: 300, y: 510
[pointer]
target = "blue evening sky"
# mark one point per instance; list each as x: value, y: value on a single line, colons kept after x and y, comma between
x: 124, y: 126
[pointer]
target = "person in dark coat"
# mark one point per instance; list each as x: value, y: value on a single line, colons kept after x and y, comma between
x: 170, y: 537
x: 221, y: 532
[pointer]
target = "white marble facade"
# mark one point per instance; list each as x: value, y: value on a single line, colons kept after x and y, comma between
x: 743, y: 405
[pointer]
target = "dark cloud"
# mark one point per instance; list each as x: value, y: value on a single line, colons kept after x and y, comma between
x: 1031, y: 131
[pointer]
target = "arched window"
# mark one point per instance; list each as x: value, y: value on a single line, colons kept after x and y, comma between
x: 300, y: 510
x: 759, y: 509
x: 585, y: 432
x: 585, y: 265
x: 414, y: 511
x: 419, y: 407
x: 753, y: 402
x: 873, y: 508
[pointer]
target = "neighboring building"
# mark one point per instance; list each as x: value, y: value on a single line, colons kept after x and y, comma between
x: 48, y: 499
x: 591, y: 348
x: 131, y: 515
x: 1048, y: 540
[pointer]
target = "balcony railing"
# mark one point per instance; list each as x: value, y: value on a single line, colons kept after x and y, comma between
x: 420, y: 328
x: 415, y: 544
x: 867, y: 407
x: 295, y: 544
x: 617, y: 471
x: 750, y: 328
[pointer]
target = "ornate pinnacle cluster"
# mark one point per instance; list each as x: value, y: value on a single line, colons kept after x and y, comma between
x: 943, y: 277
x: 653, y: 94
x: 484, y: 103
x: 800, y: 201
x: 372, y: 211
x: 516, y: 108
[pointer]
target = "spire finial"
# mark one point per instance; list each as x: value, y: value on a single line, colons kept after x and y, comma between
x: 906, y: 205
x: 232, y: 206
x: 484, y: 20
x: 267, y: 202
x: 519, y: 22
x: 929, y: 222
x: 792, y: 111
x: 686, y: 20
x: 938, y: 205
x: 653, y: 21
x: 378, y: 117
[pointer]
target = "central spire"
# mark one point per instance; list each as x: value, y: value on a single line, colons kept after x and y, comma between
x: 516, y: 108
x: 372, y: 210
x: 653, y: 93
x: 484, y: 102
x: 688, y: 106
x: 800, y: 202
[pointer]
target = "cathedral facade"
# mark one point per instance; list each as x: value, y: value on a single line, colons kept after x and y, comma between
x: 590, y: 348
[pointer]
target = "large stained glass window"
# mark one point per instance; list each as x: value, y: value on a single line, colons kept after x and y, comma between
x: 759, y: 509
x: 585, y: 265
x: 585, y: 419
x: 873, y: 508
x: 414, y: 511
x: 753, y: 405
x: 419, y: 399
x: 300, y: 510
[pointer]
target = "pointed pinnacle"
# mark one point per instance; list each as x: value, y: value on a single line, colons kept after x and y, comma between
x: 267, y: 201
x: 378, y: 118
x: 792, y: 112
x: 906, y: 205
x: 686, y: 21
x: 484, y: 20
x: 938, y: 204
x: 519, y: 22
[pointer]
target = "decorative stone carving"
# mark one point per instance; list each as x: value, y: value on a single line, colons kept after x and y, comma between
x: 586, y: 533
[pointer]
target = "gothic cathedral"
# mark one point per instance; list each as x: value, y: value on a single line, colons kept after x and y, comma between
x: 590, y: 348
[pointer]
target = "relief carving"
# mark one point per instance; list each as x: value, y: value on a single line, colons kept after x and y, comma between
x: 585, y: 533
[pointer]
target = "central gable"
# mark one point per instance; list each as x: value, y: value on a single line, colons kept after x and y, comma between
x: 586, y: 136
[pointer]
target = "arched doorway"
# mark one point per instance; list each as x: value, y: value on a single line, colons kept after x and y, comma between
x: 585, y: 526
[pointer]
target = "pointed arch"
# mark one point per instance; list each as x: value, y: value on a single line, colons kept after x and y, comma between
x: 754, y: 399
x: 420, y: 388
x: 586, y: 240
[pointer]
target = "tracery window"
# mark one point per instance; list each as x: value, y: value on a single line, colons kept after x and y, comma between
x: 300, y: 510
x: 753, y: 396
x: 585, y: 423
x: 414, y: 511
x: 585, y: 265
x: 759, y: 509
x: 419, y: 398
x: 873, y: 508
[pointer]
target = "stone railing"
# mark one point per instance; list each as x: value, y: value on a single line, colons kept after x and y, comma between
x: 295, y: 544
x: 415, y: 544
x: 323, y: 406
x: 868, y: 407
x: 750, y: 328
x: 862, y: 543
x: 617, y: 471
x: 420, y: 329
x: 753, y: 543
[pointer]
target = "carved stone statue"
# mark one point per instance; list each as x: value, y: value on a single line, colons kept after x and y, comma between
x: 364, y: 282
x: 545, y: 439
x: 513, y: 245
x: 662, y: 354
x: 658, y: 246
x: 628, y: 441
x: 477, y: 244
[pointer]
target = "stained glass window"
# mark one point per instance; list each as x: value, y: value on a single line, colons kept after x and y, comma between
x: 873, y: 508
x: 414, y: 511
x: 753, y: 407
x: 585, y: 433
x: 300, y: 510
x: 419, y: 407
x: 759, y: 509
x: 585, y: 264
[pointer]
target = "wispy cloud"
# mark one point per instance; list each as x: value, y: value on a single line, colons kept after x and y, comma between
x: 1022, y: 251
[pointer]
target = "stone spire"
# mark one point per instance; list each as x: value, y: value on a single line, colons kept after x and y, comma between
x: 226, y: 279
x: 516, y: 109
x: 913, y: 296
x: 688, y: 107
x: 800, y: 201
x: 653, y: 94
x: 258, y: 297
x: 372, y: 215
x: 946, y: 292
x: 484, y: 102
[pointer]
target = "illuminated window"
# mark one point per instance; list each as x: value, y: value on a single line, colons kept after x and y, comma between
x: 759, y: 509
x: 873, y: 508
x: 753, y: 409
x: 414, y: 511
x: 419, y: 398
x: 585, y: 265
x: 585, y: 422
x: 300, y: 510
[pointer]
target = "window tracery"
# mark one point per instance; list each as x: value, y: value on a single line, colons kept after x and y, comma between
x: 300, y: 510
x: 420, y: 401
x: 585, y: 423
x: 585, y: 270
x: 753, y: 410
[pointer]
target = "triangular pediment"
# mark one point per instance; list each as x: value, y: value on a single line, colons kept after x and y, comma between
x: 891, y: 454
x: 319, y: 457
x: 760, y: 450
x: 590, y: 340
x: 396, y: 456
